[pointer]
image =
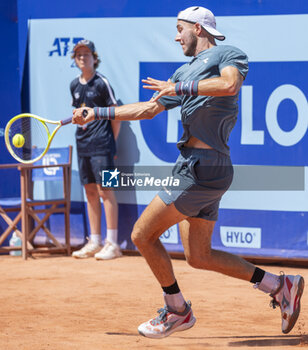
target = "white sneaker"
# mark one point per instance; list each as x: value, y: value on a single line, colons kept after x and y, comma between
x: 110, y: 251
x: 88, y: 251
x: 167, y: 323
x: 288, y: 297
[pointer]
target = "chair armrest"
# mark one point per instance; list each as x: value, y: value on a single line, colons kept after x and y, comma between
x: 29, y: 166
x: 9, y: 166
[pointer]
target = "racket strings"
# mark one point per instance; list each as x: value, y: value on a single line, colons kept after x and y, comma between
x: 35, y: 137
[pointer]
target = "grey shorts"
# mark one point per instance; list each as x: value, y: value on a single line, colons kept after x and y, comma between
x: 204, y: 176
x: 90, y: 168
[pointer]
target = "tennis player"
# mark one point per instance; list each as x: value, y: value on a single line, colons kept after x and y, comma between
x: 207, y: 90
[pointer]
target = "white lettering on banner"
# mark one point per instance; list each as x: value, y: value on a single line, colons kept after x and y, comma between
x: 240, y: 237
x: 248, y: 135
x: 49, y: 159
x: 1, y: 132
x: 170, y: 236
x: 283, y: 138
x: 174, y: 116
x: 127, y: 181
x: 287, y: 138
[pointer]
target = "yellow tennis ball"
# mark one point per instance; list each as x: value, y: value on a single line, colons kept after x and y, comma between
x: 18, y: 140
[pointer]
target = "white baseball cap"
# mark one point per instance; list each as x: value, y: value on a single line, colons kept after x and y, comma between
x: 203, y: 16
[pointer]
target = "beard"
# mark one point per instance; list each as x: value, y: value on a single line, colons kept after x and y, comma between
x: 191, y: 47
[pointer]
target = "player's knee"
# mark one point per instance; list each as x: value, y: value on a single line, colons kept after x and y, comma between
x: 137, y: 236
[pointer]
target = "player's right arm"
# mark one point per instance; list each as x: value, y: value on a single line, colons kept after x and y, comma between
x: 134, y: 111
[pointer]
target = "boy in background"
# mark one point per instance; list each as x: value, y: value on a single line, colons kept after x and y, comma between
x: 96, y: 148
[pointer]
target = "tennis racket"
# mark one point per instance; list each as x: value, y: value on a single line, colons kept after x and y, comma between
x: 28, y: 136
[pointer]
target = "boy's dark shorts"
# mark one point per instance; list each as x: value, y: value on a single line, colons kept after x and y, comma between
x: 90, y: 168
x: 204, y: 175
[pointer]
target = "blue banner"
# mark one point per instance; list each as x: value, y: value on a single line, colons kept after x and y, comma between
x: 271, y: 130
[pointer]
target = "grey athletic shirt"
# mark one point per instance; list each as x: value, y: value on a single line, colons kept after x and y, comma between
x: 208, y: 118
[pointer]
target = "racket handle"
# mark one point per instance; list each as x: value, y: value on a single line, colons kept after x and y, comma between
x: 66, y: 121
x: 69, y: 120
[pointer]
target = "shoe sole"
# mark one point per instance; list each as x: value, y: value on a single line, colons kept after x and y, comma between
x: 180, y: 328
x: 114, y: 257
x: 300, y: 289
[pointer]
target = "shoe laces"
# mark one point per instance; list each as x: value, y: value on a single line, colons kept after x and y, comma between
x: 111, y: 246
x: 163, y: 312
x: 108, y: 245
x: 162, y: 317
x: 89, y: 246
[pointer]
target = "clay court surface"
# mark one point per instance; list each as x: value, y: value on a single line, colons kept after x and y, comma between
x: 60, y: 303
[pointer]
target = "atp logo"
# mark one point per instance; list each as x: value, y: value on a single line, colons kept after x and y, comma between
x: 110, y: 178
x: 63, y: 46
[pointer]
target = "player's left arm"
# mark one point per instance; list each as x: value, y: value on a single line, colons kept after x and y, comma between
x: 228, y: 84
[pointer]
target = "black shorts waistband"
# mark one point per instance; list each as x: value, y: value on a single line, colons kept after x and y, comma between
x: 187, y: 151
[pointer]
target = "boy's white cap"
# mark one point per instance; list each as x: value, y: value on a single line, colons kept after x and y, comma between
x: 203, y: 16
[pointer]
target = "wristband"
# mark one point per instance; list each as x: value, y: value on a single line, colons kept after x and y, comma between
x: 189, y: 88
x: 105, y: 113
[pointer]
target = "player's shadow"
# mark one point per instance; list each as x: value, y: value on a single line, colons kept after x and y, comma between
x: 281, y: 340
x: 261, y: 340
x: 249, y: 341
x: 128, y: 155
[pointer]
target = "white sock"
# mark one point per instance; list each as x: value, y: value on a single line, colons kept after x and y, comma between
x: 269, y: 284
x: 112, y: 235
x: 175, y: 301
x: 96, y: 239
